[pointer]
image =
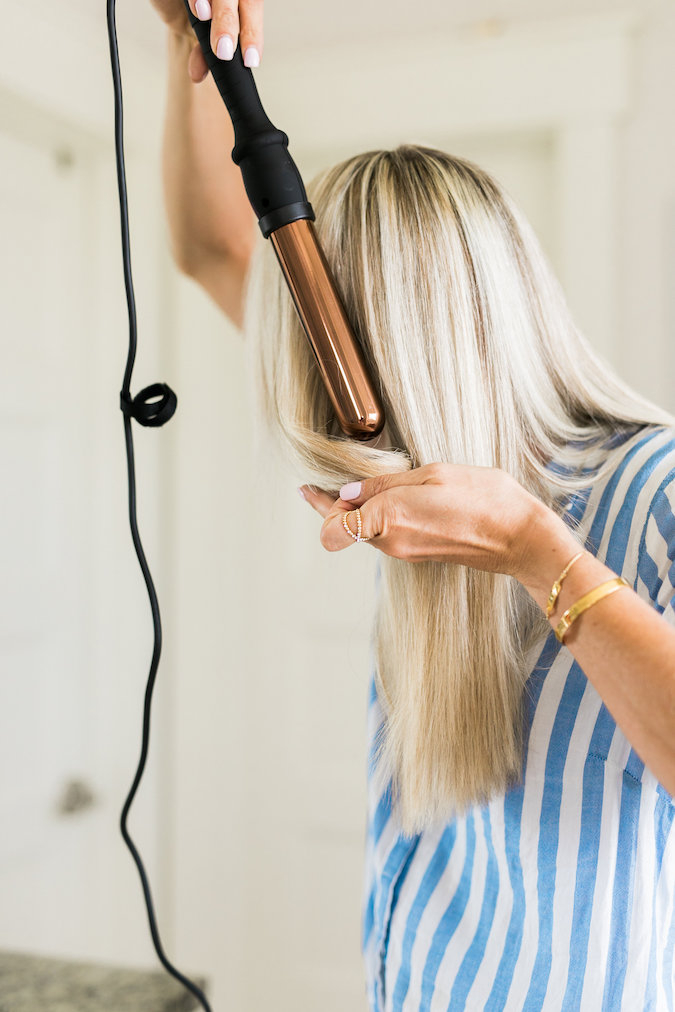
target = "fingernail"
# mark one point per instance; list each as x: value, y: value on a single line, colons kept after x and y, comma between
x: 225, y: 48
x: 352, y: 490
x: 301, y: 494
x: 251, y: 57
x: 203, y: 10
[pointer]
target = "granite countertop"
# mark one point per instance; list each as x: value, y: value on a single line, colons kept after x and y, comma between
x: 39, y: 984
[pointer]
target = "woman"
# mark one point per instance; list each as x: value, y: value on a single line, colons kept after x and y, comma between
x: 520, y: 853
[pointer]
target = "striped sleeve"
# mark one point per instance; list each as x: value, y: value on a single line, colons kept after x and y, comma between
x: 656, y: 560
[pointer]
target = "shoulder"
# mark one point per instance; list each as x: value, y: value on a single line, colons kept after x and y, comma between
x: 644, y: 468
x: 638, y: 469
x: 649, y: 505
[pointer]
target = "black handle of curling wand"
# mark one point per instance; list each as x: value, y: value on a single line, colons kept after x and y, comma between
x: 272, y: 180
x: 277, y: 194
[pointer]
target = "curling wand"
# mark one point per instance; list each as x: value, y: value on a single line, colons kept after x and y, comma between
x: 277, y: 194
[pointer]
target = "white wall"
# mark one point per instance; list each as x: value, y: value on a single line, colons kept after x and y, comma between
x: 645, y: 213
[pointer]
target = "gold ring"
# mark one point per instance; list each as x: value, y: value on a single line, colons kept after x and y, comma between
x: 359, y: 525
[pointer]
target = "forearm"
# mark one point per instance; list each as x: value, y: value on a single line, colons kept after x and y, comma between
x: 623, y: 646
x: 209, y: 216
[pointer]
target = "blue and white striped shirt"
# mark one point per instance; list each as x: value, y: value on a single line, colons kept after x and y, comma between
x: 558, y: 895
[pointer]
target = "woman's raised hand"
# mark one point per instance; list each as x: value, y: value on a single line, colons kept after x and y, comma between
x: 230, y: 20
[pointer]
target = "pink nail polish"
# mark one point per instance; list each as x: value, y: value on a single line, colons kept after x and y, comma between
x: 302, y: 494
x: 352, y: 490
x: 225, y: 48
x: 203, y: 10
x: 251, y: 57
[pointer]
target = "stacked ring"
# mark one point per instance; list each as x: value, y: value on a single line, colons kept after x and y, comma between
x: 359, y: 526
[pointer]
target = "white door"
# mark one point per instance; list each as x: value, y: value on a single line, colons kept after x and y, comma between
x: 74, y: 624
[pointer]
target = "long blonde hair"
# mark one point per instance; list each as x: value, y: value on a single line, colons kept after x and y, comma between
x: 480, y: 363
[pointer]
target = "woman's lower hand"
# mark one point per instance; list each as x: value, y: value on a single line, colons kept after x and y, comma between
x: 231, y: 20
x: 471, y: 516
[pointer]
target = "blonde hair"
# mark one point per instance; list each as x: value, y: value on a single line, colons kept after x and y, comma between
x: 480, y: 363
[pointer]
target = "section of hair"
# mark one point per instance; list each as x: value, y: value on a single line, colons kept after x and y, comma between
x: 478, y: 362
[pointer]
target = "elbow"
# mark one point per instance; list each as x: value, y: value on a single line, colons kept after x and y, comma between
x: 186, y: 258
x: 221, y: 276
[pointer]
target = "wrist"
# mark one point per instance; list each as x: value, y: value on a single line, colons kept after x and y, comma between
x: 181, y: 40
x: 586, y: 574
x: 546, y: 546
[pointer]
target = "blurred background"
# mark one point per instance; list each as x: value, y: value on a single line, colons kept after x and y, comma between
x: 252, y: 817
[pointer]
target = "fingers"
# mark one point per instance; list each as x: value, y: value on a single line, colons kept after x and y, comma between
x: 322, y: 502
x: 232, y: 22
x: 334, y: 537
x: 251, y: 31
x: 224, y: 28
x: 383, y: 517
x: 395, y: 522
x: 359, y: 492
x: 201, y: 9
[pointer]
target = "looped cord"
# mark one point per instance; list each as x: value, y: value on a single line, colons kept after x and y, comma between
x: 145, y: 407
x: 153, y: 406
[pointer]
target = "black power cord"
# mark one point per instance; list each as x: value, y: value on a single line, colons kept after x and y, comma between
x: 153, y: 406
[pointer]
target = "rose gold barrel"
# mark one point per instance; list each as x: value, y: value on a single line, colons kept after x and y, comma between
x: 325, y: 322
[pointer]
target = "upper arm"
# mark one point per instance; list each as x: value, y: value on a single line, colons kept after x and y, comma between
x: 224, y: 279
